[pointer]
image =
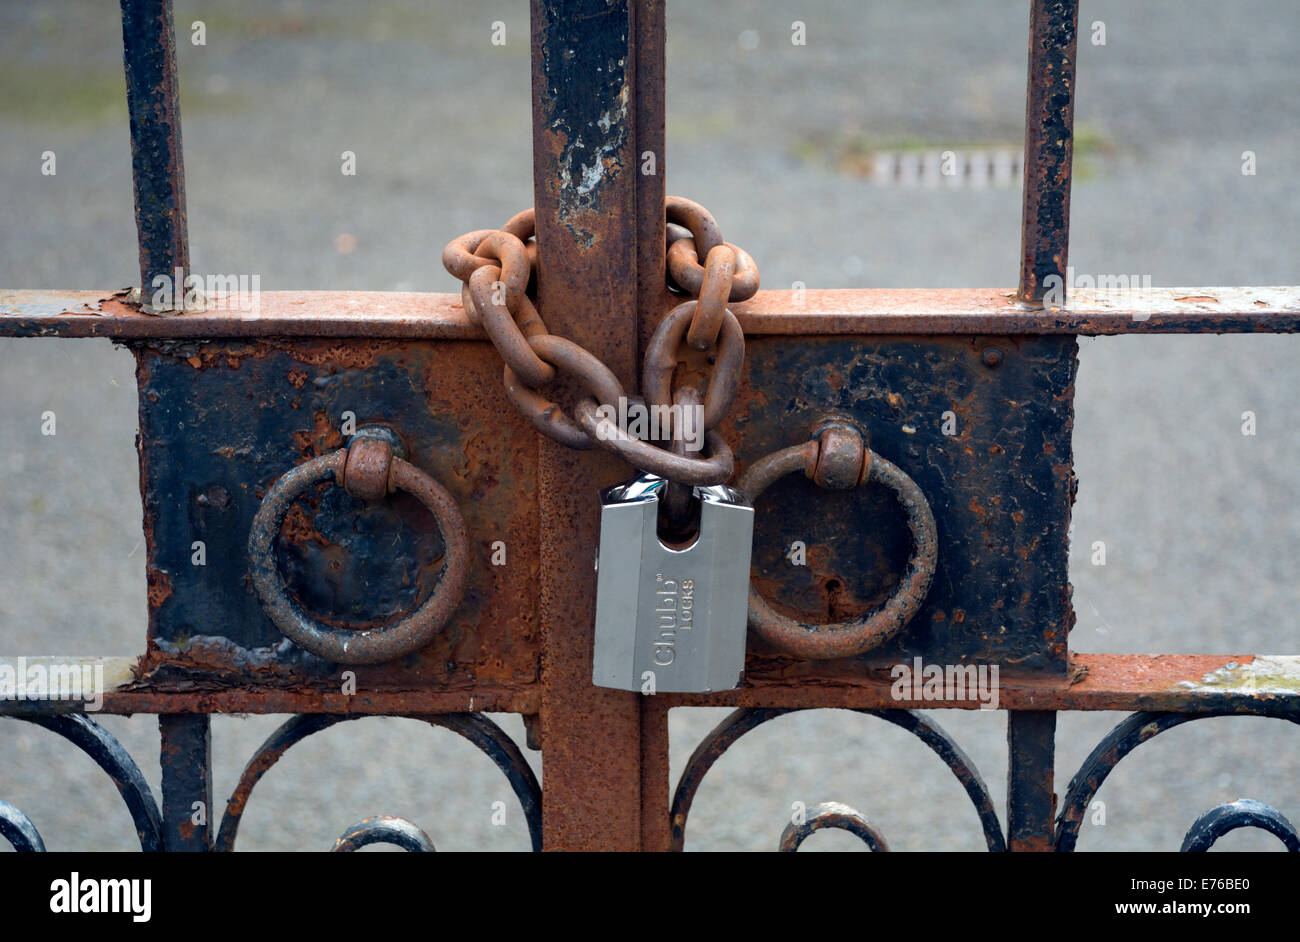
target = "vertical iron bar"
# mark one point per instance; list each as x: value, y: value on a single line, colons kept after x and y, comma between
x: 1031, y: 779
x: 653, y: 301
x: 585, y: 181
x: 653, y: 298
x: 186, y: 761
x: 656, y: 789
x: 149, y: 53
x: 1049, y: 148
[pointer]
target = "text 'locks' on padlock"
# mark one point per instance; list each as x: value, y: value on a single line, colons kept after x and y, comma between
x: 670, y: 618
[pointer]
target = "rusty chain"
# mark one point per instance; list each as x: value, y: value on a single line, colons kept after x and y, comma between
x: 498, y: 267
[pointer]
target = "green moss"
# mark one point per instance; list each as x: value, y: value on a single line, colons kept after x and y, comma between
x: 62, y: 96
x: 698, y: 127
x: 57, y: 96
x: 435, y: 27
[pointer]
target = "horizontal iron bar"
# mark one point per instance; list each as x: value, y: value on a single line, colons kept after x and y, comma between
x: 408, y: 315
x: 124, y: 693
x: 1184, y: 683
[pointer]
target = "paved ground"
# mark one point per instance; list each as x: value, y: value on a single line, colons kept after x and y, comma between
x: 1200, y: 522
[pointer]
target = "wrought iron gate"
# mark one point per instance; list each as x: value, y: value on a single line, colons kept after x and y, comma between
x: 246, y: 415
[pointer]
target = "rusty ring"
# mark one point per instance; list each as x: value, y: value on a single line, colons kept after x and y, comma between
x: 508, y: 336
x: 703, y: 227
x: 342, y: 645
x: 682, y: 469
x: 687, y: 273
x: 714, y: 291
x: 847, y: 639
x: 660, y: 362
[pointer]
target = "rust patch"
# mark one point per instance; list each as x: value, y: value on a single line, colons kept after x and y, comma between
x: 324, y: 436
x: 160, y: 587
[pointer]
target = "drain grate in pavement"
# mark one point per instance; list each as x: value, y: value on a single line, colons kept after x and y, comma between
x: 972, y: 169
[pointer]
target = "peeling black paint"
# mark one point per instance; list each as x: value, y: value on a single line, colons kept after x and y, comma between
x: 584, y: 56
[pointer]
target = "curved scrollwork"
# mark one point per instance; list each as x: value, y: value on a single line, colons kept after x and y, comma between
x: 112, y: 757
x: 1131, y: 732
x: 831, y: 814
x: 18, y: 830
x: 1242, y: 813
x: 384, y: 829
x: 478, y: 729
x: 742, y: 721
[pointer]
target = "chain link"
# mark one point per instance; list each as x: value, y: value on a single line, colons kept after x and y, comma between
x: 498, y: 268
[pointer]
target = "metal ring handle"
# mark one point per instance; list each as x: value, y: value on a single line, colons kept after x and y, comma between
x: 341, y: 645
x: 846, y: 639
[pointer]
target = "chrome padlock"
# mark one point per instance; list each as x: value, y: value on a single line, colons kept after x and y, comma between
x: 668, y: 618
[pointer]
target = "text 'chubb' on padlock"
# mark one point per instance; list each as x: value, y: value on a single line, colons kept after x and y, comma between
x: 671, y: 618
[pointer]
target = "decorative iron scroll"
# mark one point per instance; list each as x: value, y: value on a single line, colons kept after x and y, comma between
x: 109, y: 755
x: 1242, y: 813
x: 384, y: 829
x: 832, y: 814
x: 478, y: 729
x: 18, y: 830
x: 1132, y: 732
x: 928, y: 731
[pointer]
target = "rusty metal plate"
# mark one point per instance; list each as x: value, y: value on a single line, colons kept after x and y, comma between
x: 220, y: 421
x: 1000, y: 486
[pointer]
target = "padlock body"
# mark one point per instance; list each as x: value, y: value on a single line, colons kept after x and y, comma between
x: 671, y: 619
